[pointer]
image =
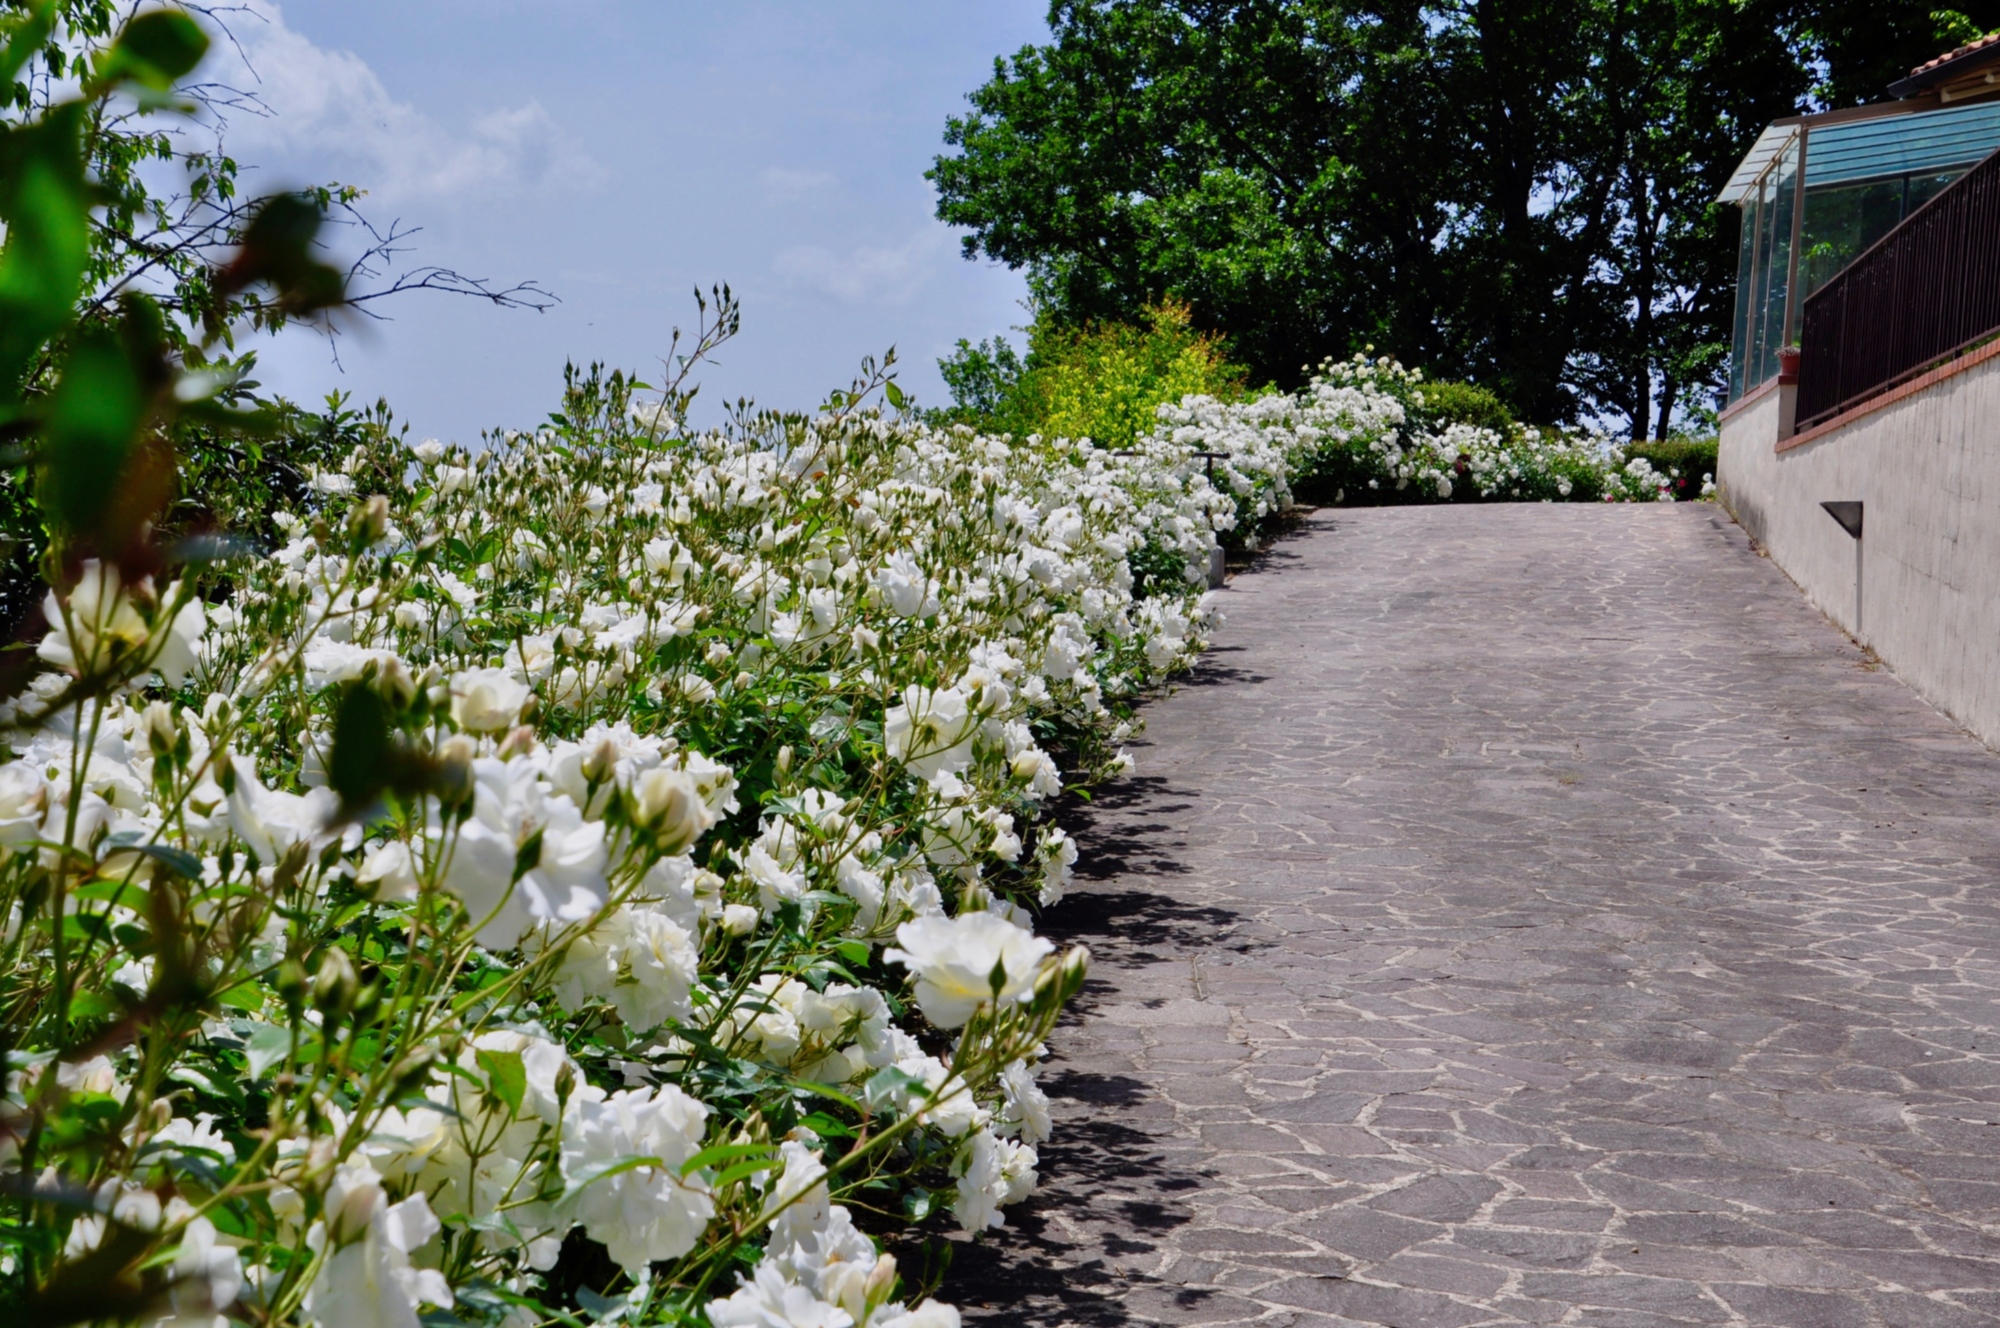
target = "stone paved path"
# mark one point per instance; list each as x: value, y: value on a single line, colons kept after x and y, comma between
x: 1528, y: 915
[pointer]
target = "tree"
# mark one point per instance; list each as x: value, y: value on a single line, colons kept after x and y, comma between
x: 1517, y: 192
x: 103, y: 245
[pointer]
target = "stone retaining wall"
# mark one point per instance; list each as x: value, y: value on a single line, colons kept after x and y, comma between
x: 1922, y: 586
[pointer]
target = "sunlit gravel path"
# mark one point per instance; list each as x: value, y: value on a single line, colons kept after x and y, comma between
x: 1529, y: 914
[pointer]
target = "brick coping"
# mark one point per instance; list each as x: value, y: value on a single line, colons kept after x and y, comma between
x: 1921, y: 382
x: 1747, y: 400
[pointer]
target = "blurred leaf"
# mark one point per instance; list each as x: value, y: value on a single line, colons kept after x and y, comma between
x: 97, y: 479
x: 101, y: 1286
x: 156, y: 50
x: 358, y: 768
x: 90, y: 1004
x: 211, y: 548
x: 44, y: 205
x: 278, y: 251
x: 28, y: 38
x: 92, y: 423
x: 246, y: 996
x: 266, y: 1046
x: 177, y: 860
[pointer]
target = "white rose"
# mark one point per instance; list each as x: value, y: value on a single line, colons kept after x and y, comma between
x: 487, y: 700
x: 24, y: 795
x: 953, y: 961
x: 668, y: 804
x: 931, y: 731
x: 389, y: 872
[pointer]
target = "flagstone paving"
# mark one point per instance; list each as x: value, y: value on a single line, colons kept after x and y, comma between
x: 1527, y: 915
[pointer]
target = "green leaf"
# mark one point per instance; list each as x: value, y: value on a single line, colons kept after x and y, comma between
x: 724, y: 1153
x: 246, y: 996
x: 895, y: 394
x: 156, y: 49
x: 811, y: 1088
x: 889, y: 1083
x: 827, y: 1127
x: 46, y: 210
x: 28, y: 38
x: 267, y: 1045
x: 742, y: 1171
x: 506, y: 1076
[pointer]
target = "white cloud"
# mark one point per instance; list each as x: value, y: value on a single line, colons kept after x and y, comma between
x: 868, y: 274
x: 331, y: 111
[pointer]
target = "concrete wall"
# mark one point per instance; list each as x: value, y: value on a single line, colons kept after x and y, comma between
x: 1923, y: 587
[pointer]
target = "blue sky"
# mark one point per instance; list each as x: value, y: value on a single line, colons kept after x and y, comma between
x: 621, y: 152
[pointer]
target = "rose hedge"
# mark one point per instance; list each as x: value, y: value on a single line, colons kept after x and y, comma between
x: 590, y: 878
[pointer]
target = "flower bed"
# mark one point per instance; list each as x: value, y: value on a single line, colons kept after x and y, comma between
x: 596, y: 875
x: 1352, y: 436
x: 592, y: 875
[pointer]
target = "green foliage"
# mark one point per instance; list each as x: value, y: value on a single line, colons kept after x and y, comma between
x: 1102, y: 381
x: 1516, y: 194
x: 120, y: 299
x: 982, y: 379
x: 1442, y: 404
x: 1687, y: 461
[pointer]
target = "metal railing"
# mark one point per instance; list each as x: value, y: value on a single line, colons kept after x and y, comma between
x: 1925, y: 291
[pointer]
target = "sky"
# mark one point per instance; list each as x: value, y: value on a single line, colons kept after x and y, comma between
x: 622, y: 153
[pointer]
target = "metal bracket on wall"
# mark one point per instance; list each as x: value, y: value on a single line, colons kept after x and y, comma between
x: 1847, y: 514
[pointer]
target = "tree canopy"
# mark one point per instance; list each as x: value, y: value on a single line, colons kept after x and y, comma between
x: 1515, y: 192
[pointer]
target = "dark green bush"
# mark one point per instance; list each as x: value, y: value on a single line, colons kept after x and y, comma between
x: 1688, y: 460
x: 1442, y: 404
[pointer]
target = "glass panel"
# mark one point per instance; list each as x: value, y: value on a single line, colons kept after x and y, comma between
x: 1760, y: 286
x: 1746, y: 266
x: 1921, y: 144
x: 1841, y: 222
x: 1777, y: 333
x: 1923, y: 188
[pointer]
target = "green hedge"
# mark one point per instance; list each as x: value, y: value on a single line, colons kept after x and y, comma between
x: 1688, y: 460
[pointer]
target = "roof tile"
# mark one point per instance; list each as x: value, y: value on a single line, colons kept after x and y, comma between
x: 1989, y: 39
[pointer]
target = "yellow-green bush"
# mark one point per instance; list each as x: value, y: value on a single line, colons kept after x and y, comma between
x: 1102, y: 381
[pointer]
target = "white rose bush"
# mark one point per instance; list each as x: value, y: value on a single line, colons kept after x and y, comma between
x: 1353, y: 431
x: 590, y: 877
x: 594, y: 876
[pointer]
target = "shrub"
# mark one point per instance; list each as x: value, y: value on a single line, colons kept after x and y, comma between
x: 1104, y: 381
x: 574, y: 878
x: 1689, y: 462
x: 1350, y: 437
x: 1439, y: 405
